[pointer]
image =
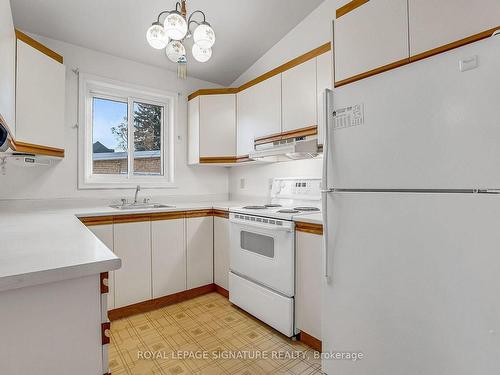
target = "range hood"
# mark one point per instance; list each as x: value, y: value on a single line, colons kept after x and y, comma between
x: 286, y: 150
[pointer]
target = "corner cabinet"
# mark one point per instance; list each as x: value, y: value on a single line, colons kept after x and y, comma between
x: 371, y: 36
x: 212, y: 128
x: 40, y: 98
x: 199, y: 238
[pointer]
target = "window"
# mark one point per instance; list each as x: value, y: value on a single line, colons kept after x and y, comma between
x: 126, y: 135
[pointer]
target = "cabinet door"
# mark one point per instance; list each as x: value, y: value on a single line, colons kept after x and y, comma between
x: 309, y: 280
x: 221, y: 252
x: 259, y: 113
x: 40, y: 97
x: 7, y: 66
x: 132, y: 243
x: 168, y: 249
x: 371, y: 36
x: 199, y: 251
x: 105, y: 234
x: 218, y: 125
x: 299, y: 96
x: 194, y: 131
x: 324, y: 81
x: 436, y: 23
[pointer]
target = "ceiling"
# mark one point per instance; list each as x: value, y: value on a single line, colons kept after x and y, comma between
x: 245, y: 29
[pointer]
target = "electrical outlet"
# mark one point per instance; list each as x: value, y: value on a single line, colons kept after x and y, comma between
x: 242, y: 183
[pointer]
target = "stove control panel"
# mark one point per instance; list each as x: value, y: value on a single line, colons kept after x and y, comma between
x: 296, y: 188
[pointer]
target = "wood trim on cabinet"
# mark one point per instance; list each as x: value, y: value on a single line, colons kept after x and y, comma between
x: 302, y: 132
x: 131, y: 218
x: 96, y: 220
x: 168, y: 215
x: 311, y: 341
x: 30, y: 148
x: 455, y: 44
x: 217, y: 159
x: 39, y: 46
x: 349, y: 7
x: 222, y: 291
x: 372, y: 72
x: 280, y: 69
x: 309, y: 228
x: 199, y: 213
x: 104, y: 281
x: 157, y: 303
x: 228, y: 90
x: 221, y: 213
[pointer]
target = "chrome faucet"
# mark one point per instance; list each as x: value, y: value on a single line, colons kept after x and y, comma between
x: 137, y: 189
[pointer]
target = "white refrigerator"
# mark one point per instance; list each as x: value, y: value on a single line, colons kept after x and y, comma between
x: 412, y: 218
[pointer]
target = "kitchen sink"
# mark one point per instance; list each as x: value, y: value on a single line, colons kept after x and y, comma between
x: 140, y: 206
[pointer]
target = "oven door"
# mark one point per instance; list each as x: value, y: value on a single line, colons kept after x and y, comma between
x: 263, y: 251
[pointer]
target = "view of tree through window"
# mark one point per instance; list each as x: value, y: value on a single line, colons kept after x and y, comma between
x: 110, y: 127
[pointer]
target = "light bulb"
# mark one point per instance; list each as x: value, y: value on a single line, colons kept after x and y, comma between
x: 156, y: 36
x: 175, y: 26
x: 201, y: 54
x: 175, y: 51
x: 204, y: 35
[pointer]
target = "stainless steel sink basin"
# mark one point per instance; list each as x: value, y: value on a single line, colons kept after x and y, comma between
x: 140, y: 206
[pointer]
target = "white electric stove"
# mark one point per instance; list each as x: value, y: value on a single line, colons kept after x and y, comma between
x: 262, y: 255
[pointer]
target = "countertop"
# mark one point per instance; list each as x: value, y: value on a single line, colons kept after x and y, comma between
x: 48, y: 244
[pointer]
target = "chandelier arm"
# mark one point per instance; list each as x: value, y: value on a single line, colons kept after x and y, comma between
x: 193, y: 21
x: 162, y: 13
x: 197, y: 11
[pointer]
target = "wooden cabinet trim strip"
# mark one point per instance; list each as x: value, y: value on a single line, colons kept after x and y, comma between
x: 217, y: 159
x: 199, y: 213
x: 168, y: 215
x: 372, y: 72
x: 302, y: 132
x: 30, y: 148
x: 157, y: 303
x: 131, y: 218
x: 311, y: 341
x: 96, y: 220
x: 280, y: 69
x: 453, y: 45
x: 39, y: 46
x: 104, y: 277
x: 221, y: 213
x: 222, y: 291
x: 349, y: 7
x: 309, y: 228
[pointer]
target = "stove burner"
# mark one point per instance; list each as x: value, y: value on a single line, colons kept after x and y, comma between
x: 255, y: 207
x: 288, y: 211
x: 307, y: 208
x: 272, y: 205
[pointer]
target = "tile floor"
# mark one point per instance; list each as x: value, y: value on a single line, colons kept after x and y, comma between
x: 205, y: 335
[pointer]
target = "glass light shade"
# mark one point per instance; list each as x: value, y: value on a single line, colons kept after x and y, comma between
x: 204, y: 36
x: 175, y: 26
x: 175, y: 51
x: 156, y: 36
x: 201, y: 54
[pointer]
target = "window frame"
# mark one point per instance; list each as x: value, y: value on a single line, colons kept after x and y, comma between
x: 91, y: 87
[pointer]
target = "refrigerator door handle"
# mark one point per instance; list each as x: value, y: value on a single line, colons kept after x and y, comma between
x: 327, y: 101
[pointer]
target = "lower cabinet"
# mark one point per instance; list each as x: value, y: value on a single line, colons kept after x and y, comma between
x: 168, y: 250
x: 308, y: 285
x: 105, y: 234
x: 132, y: 243
x: 199, y: 236
x: 221, y: 252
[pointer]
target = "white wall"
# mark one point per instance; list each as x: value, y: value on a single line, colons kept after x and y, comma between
x: 60, y: 181
x: 312, y: 32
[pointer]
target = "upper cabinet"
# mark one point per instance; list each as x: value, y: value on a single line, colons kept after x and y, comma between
x: 7, y: 66
x: 299, y: 96
x: 369, y: 35
x: 434, y: 24
x: 212, y: 128
x: 259, y: 113
x: 40, y: 96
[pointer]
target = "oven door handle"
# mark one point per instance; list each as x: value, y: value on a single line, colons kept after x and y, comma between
x: 254, y: 224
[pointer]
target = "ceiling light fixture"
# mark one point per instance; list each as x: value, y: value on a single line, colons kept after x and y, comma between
x: 174, y: 31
